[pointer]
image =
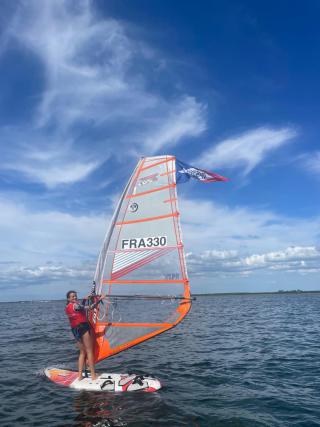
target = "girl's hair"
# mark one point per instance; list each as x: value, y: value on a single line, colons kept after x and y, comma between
x: 69, y: 293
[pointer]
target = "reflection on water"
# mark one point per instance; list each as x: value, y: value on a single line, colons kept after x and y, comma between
x: 117, y: 409
x: 98, y: 409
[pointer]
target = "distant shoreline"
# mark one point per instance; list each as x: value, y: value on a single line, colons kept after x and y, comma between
x: 259, y: 293
x: 280, y: 292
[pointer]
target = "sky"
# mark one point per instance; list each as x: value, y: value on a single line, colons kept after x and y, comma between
x: 88, y: 87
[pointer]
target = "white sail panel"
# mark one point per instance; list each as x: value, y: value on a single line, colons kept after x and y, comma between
x: 125, y: 263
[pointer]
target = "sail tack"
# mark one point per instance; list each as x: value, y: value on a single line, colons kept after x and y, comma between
x: 141, y: 267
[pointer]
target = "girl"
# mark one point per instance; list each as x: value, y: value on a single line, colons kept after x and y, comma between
x: 77, y: 314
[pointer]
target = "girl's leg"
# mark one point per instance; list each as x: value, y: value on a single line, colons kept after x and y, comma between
x: 88, y: 345
x: 82, y: 358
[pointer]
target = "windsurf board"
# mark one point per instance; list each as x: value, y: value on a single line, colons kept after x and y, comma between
x: 104, y: 381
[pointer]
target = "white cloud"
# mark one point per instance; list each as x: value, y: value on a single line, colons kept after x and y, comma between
x: 56, y: 174
x: 247, y: 150
x: 299, y: 259
x: 44, y: 159
x: 311, y: 163
x: 187, y: 118
x: 63, y: 174
x: 94, y: 98
x: 17, y: 274
x: 33, y: 237
x: 294, y: 253
x: 244, y: 230
x: 241, y: 240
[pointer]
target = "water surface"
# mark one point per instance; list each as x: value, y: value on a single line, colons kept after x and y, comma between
x: 236, y: 360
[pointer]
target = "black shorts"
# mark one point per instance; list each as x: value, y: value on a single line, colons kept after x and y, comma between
x: 80, y: 330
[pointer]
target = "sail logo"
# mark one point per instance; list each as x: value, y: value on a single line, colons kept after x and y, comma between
x: 133, y: 207
x: 147, y: 179
x: 144, y: 242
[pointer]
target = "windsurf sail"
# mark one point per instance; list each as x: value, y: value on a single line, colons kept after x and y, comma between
x: 141, y: 268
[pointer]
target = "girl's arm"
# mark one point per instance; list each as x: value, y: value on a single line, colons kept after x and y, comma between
x: 82, y: 306
x: 95, y: 304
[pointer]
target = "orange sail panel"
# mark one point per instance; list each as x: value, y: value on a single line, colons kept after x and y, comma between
x: 141, y: 267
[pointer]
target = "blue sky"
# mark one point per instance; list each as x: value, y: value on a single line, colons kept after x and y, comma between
x: 88, y: 87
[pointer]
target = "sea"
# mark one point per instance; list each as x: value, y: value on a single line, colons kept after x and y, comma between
x: 234, y: 361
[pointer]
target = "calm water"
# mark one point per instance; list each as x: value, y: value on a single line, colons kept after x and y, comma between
x: 249, y: 360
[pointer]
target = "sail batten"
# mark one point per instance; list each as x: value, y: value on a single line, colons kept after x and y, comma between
x: 157, y: 164
x: 143, y: 193
x: 151, y: 218
x: 145, y: 282
x: 134, y: 325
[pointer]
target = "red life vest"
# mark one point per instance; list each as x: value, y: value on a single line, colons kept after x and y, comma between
x: 75, y: 317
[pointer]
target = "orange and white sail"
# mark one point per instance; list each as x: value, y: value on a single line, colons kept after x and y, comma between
x: 141, y: 267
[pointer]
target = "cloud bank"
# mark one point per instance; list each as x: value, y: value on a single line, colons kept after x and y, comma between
x: 295, y: 259
x: 53, y: 247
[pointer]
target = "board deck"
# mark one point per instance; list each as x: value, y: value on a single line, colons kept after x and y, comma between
x: 104, y: 382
